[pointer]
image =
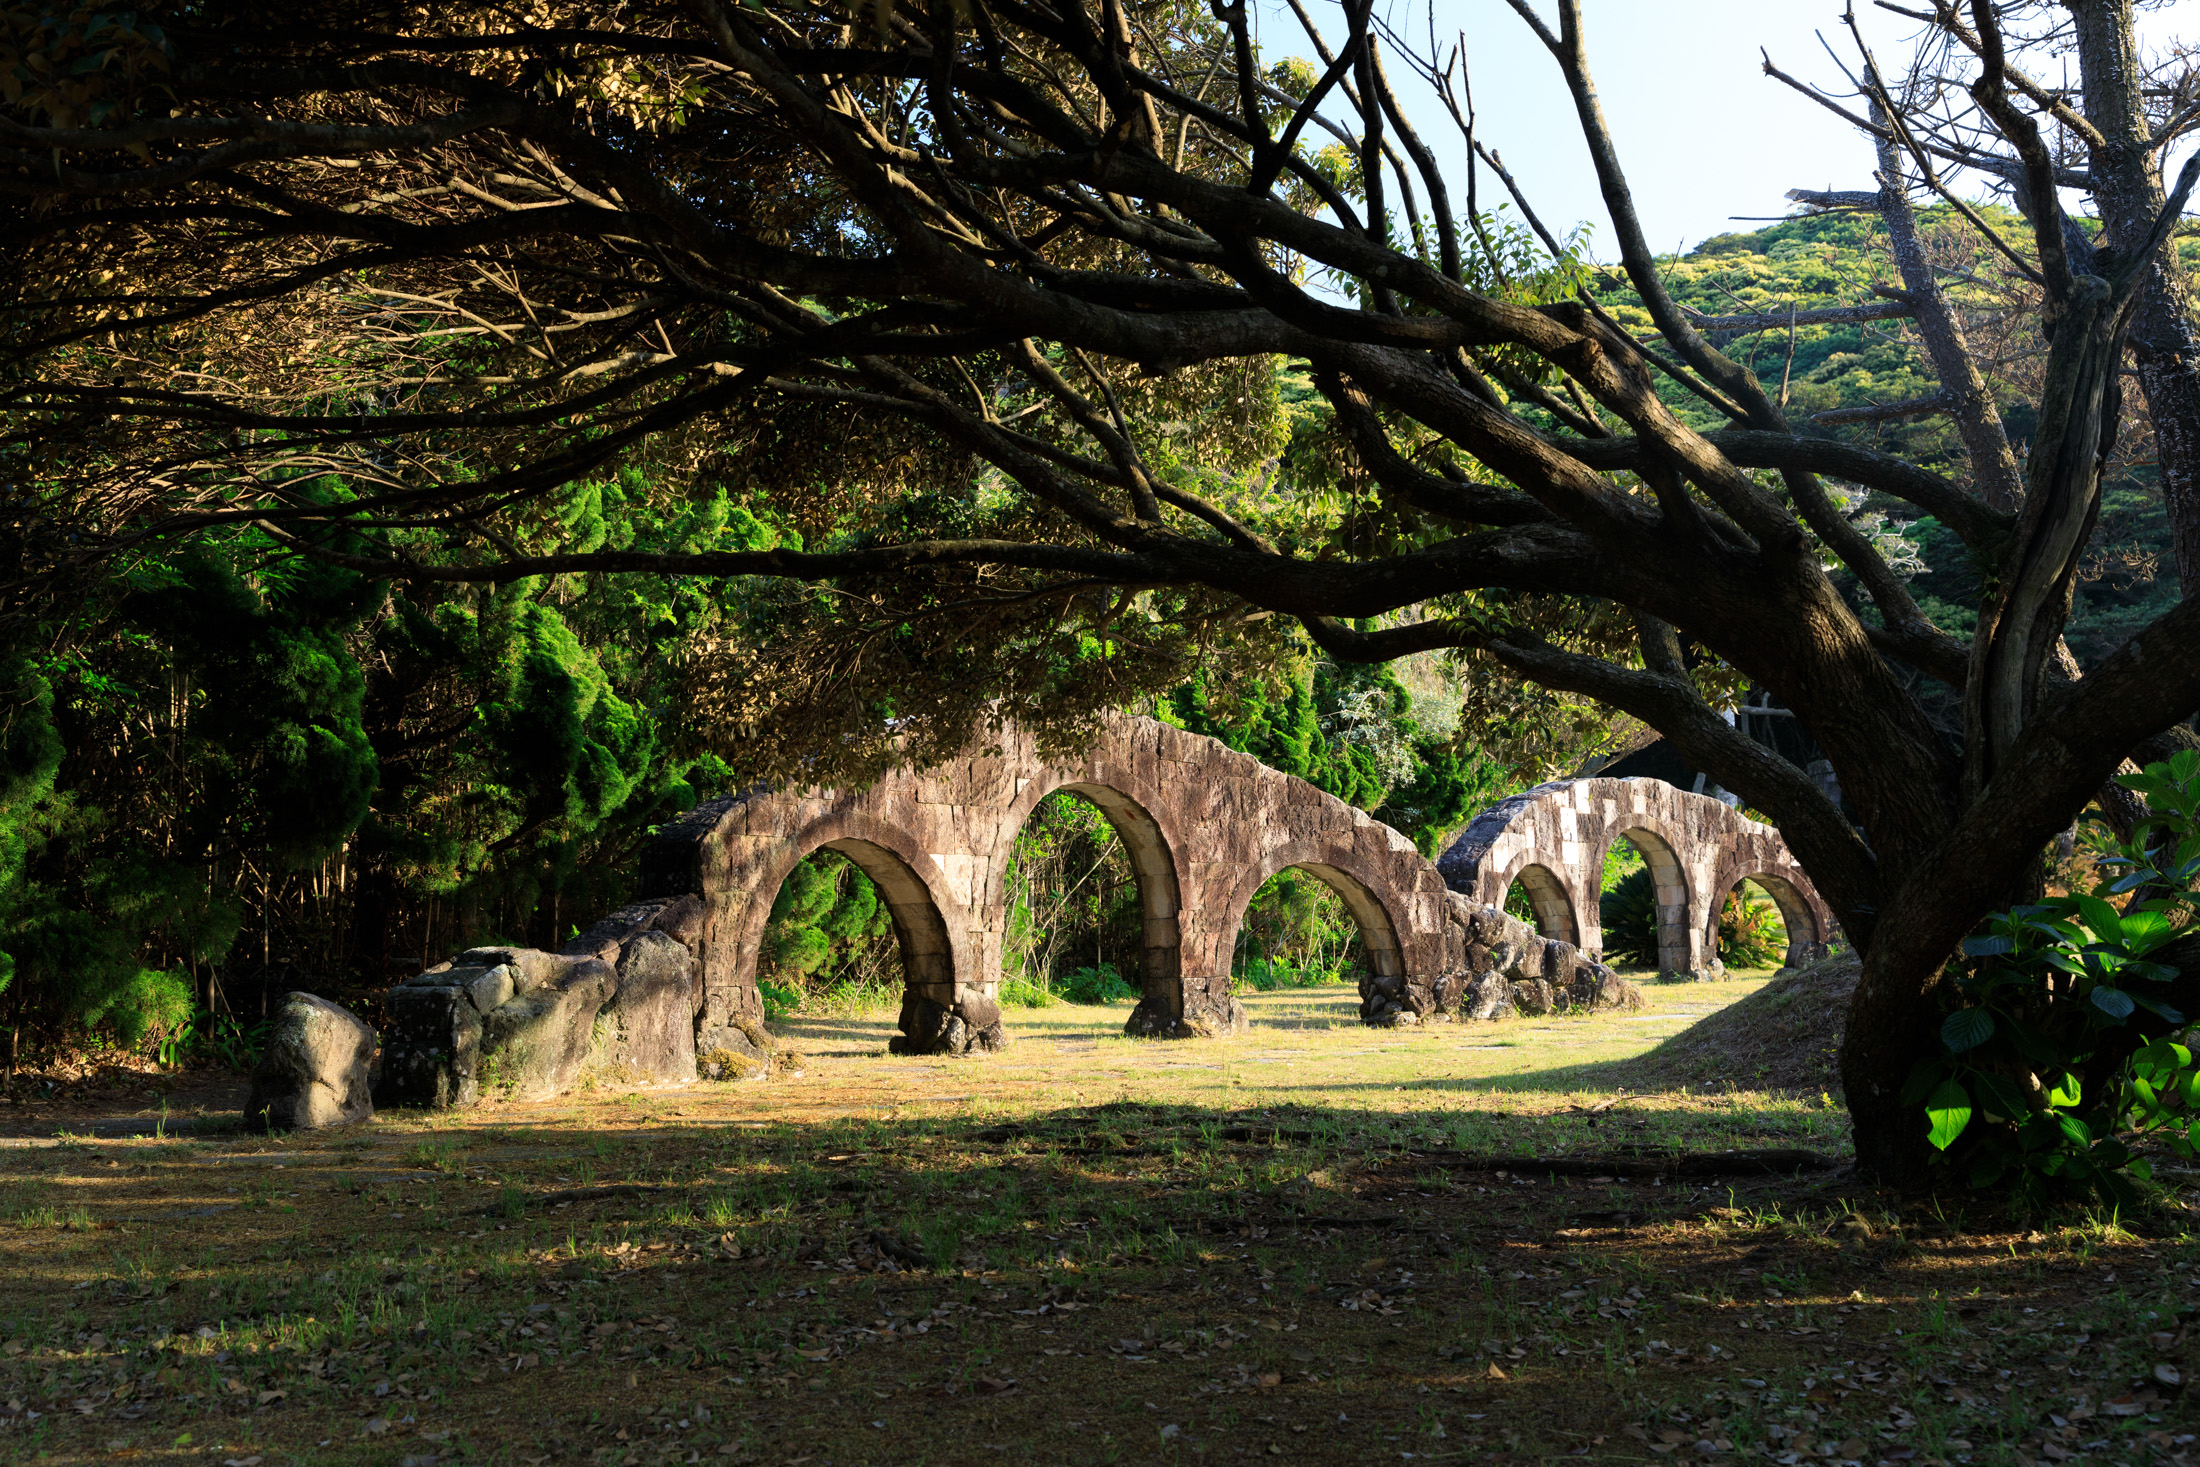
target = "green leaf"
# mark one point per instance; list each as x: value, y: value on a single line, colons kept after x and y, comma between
x: 2169, y: 1012
x: 2103, y: 919
x: 1949, y: 1110
x: 2113, y: 1002
x: 1987, y: 947
x: 1966, y: 1029
x: 2000, y: 1095
x: 1924, y: 1076
x: 2067, y: 1094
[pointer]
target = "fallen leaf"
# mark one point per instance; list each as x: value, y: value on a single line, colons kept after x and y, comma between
x: 988, y: 1386
x: 376, y: 1426
x: 1493, y: 1373
x: 1271, y: 1378
x: 2167, y: 1374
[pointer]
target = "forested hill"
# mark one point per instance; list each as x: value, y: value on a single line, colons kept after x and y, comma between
x: 1835, y: 259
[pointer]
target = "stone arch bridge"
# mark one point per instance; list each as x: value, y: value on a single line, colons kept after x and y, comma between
x: 1204, y: 826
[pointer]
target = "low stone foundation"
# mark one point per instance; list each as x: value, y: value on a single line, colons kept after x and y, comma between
x: 1510, y: 968
x: 617, y: 1003
x: 1204, y: 1008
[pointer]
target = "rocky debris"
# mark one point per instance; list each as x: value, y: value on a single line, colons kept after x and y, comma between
x: 1485, y: 997
x: 317, y: 1070
x: 534, y: 1046
x: 619, y: 1002
x: 1511, y: 968
x: 678, y: 917
x: 741, y: 1050
x: 432, y: 1048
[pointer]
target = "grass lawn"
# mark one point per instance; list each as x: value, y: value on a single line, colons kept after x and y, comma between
x: 1083, y: 1250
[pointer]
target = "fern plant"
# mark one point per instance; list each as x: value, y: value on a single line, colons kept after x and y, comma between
x: 1629, y: 913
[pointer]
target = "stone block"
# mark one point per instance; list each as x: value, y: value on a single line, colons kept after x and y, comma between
x: 431, y: 1050
x: 1533, y: 996
x: 1488, y: 996
x: 647, y: 1029
x: 739, y: 1049
x: 490, y: 988
x: 535, y: 1046
x: 316, y: 1071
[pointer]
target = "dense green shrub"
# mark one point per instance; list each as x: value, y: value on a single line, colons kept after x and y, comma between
x: 2063, y: 1048
x: 1751, y: 932
x: 1100, y: 984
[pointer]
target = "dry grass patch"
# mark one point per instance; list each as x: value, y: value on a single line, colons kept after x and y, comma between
x: 1260, y: 1248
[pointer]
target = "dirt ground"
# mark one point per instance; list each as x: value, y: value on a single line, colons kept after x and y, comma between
x: 1291, y: 1245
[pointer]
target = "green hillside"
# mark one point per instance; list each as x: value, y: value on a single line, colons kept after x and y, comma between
x: 1836, y: 259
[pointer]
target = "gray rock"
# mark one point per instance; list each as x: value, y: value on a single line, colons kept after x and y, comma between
x: 978, y: 1011
x: 432, y: 1050
x: 317, y: 1069
x: 1488, y: 996
x: 681, y: 919
x: 647, y: 1030
x: 493, y: 989
x: 741, y: 1050
x: 532, y: 968
x: 535, y: 1046
x: 1533, y: 996
x: 1602, y: 989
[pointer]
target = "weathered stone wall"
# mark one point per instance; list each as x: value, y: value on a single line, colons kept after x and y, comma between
x: 1204, y: 826
x: 1553, y: 840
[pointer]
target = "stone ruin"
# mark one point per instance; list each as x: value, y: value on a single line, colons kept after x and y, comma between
x: 665, y: 990
x: 618, y: 1003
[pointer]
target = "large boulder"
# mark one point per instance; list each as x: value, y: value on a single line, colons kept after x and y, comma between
x: 1487, y: 996
x: 317, y: 1070
x: 647, y: 1030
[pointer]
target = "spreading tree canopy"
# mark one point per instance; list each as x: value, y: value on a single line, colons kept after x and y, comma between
x: 376, y: 280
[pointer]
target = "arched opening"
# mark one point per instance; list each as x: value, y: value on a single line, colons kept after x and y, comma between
x: 1643, y: 907
x: 1297, y: 932
x: 1538, y: 896
x: 1091, y: 904
x: 1312, y: 924
x: 1764, y: 922
x: 851, y: 928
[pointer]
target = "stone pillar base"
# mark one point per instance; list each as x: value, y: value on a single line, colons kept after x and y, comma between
x: 970, y: 1024
x: 1209, y: 1012
x: 737, y: 1050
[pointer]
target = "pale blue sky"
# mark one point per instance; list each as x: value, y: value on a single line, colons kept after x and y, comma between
x: 1703, y: 133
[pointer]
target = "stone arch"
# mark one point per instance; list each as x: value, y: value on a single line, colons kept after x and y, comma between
x: 1153, y: 862
x: 1808, y: 930
x: 1549, y: 899
x: 1652, y: 838
x: 1200, y: 820
x: 1333, y: 864
x: 905, y: 875
x: 1568, y: 826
